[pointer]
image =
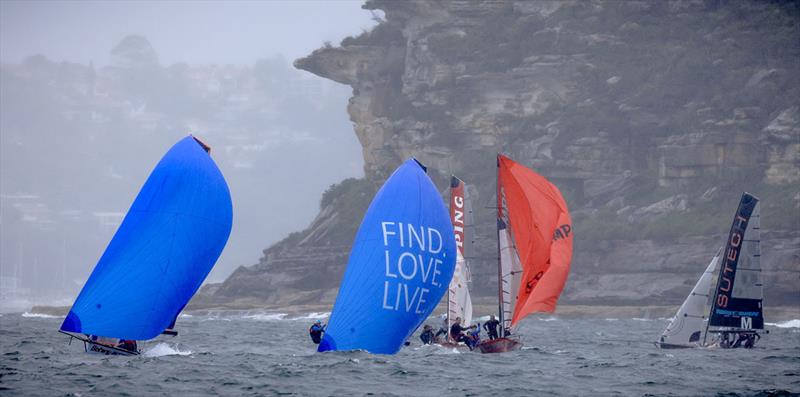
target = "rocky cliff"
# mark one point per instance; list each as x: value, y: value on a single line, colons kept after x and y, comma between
x: 652, y: 118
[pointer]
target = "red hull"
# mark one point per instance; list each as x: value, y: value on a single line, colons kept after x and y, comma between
x: 499, y: 345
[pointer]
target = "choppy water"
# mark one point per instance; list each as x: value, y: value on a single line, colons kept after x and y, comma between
x: 270, y: 354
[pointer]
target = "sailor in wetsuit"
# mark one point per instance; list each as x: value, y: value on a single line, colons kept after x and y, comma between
x: 725, y: 341
x: 427, y: 335
x: 457, y: 331
x: 128, y: 345
x: 474, y: 337
x: 491, y: 327
x: 316, y: 331
x: 752, y: 338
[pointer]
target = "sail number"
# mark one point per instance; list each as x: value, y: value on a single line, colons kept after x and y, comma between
x: 747, y: 322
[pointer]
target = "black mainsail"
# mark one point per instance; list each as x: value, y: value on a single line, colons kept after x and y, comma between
x: 737, y: 299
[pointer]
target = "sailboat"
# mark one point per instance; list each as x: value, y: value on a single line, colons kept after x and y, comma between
x: 459, y: 302
x: 400, y: 266
x: 534, y: 244
x: 159, y: 256
x: 735, y: 302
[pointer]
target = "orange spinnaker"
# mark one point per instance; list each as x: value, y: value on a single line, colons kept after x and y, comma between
x: 542, y: 232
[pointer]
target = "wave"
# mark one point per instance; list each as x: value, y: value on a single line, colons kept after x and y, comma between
x: 786, y: 324
x: 183, y: 315
x: 436, y: 348
x: 611, y: 319
x: 641, y: 319
x: 265, y: 316
x: 164, y: 349
x: 314, y: 316
x: 549, y: 319
x: 39, y: 315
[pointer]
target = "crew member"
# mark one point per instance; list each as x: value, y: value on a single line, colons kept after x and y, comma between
x: 457, y: 331
x: 739, y: 339
x: 316, y: 331
x: 427, y: 335
x: 751, y: 340
x: 474, y: 337
x: 725, y: 341
x: 129, y: 345
x: 491, y: 327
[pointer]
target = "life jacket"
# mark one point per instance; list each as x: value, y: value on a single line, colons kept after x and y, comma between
x: 316, y: 333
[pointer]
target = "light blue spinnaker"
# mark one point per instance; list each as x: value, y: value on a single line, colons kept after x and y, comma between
x: 401, y: 263
x: 165, y: 247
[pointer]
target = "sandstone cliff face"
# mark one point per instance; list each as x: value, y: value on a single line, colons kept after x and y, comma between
x: 652, y: 117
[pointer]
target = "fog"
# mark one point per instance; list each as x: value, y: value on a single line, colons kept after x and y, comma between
x: 92, y: 94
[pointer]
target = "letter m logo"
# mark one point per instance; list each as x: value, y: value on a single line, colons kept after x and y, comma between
x: 747, y: 322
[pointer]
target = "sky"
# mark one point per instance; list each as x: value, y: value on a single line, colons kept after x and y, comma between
x: 196, y: 32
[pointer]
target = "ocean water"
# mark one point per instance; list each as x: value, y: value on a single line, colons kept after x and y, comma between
x: 243, y: 354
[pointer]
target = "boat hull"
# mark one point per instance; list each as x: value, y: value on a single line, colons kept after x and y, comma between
x: 499, y: 345
x: 673, y: 346
x: 99, y: 348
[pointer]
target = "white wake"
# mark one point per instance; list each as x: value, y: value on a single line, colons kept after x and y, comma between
x: 39, y: 315
x: 266, y: 316
x: 786, y: 324
x: 164, y: 349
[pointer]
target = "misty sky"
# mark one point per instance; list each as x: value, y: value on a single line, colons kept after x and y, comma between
x: 198, y: 33
x: 236, y: 32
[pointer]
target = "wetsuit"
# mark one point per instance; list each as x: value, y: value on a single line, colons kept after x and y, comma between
x: 473, y: 338
x: 316, y: 333
x: 129, y: 345
x: 426, y: 336
x: 739, y: 339
x: 725, y: 342
x: 751, y: 340
x: 457, y: 333
x: 491, y: 327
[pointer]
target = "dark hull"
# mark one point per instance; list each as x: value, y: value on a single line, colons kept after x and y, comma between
x: 99, y: 348
x: 671, y: 346
x: 94, y: 347
x: 499, y: 345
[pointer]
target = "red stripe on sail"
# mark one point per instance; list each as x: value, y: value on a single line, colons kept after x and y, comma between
x: 458, y: 211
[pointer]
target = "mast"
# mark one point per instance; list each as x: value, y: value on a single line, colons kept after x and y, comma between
x: 499, y: 263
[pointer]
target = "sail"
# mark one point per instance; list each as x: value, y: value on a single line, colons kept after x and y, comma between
x: 510, y: 275
x: 540, y: 232
x: 400, y: 266
x: 739, y: 292
x: 688, y: 325
x: 459, y: 302
x: 165, y: 247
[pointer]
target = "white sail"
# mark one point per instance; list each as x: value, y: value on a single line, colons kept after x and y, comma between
x: 460, y: 304
x: 510, y: 272
x: 687, y: 327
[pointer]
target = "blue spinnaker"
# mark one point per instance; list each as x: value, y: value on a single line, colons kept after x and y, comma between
x: 401, y: 263
x: 165, y: 247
